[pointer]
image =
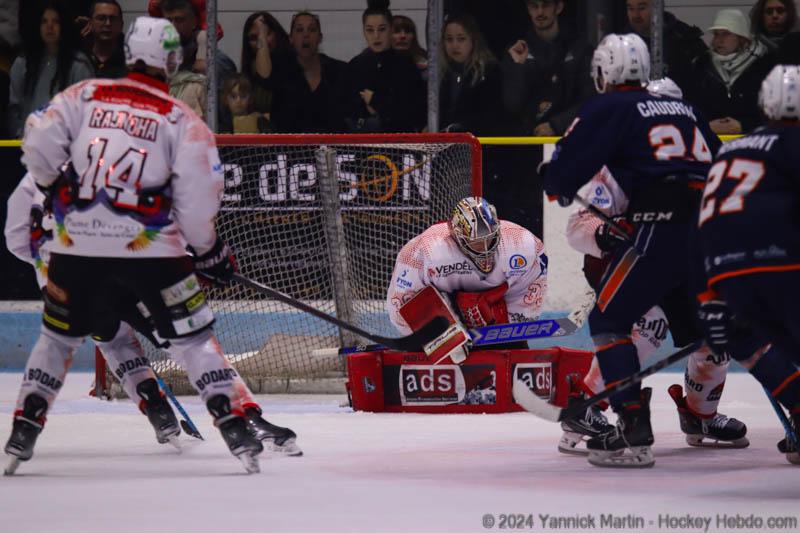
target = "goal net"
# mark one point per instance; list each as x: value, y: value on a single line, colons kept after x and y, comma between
x: 320, y: 218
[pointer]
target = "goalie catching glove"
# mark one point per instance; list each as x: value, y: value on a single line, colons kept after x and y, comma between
x: 217, y: 265
x: 480, y: 309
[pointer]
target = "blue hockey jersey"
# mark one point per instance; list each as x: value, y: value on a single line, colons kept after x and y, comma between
x: 641, y: 138
x: 750, y: 213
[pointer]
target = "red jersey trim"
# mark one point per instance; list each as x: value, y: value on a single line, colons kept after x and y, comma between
x: 135, y: 97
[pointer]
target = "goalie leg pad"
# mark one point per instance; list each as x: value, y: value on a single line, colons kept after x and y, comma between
x: 424, y: 307
x: 47, y: 366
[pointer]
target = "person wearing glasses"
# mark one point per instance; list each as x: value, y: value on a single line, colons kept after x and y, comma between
x: 104, y: 41
x: 772, y: 20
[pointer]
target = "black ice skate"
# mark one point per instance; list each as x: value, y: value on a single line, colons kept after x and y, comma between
x: 25, y: 430
x: 159, y: 412
x: 592, y: 423
x: 628, y: 445
x: 790, y: 448
x: 716, y: 432
x: 274, y: 438
x: 236, y: 433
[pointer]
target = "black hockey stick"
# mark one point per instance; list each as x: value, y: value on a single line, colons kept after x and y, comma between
x: 540, y: 407
x: 409, y: 343
x: 186, y: 422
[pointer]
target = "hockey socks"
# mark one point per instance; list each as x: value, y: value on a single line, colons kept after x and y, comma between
x: 618, y: 359
x: 779, y: 376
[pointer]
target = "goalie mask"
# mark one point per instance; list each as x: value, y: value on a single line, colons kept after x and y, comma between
x: 476, y: 229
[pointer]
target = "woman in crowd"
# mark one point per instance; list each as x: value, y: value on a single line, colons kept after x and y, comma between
x: 50, y: 63
x: 470, y: 94
x: 382, y: 90
x: 404, y: 40
x: 308, y: 104
x: 268, y: 59
x: 728, y: 77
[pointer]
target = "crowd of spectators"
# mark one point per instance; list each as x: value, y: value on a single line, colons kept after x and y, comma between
x: 509, y: 67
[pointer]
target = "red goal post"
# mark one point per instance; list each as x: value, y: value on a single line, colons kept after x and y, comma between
x: 320, y: 218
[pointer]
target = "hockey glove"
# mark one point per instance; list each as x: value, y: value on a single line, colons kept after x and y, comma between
x: 216, y: 265
x: 717, y: 324
x: 608, y: 239
x: 483, y: 308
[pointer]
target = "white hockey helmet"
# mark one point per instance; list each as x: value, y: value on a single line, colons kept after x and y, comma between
x: 620, y: 60
x: 156, y: 43
x: 664, y: 87
x: 476, y: 228
x: 779, y: 98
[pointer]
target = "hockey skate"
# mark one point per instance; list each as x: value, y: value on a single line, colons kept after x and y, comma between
x: 26, y: 428
x: 592, y: 423
x: 236, y: 433
x: 718, y: 431
x: 159, y: 413
x: 788, y: 447
x: 275, y: 439
x: 628, y: 444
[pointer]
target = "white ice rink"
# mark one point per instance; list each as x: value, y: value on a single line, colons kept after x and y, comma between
x: 97, y: 468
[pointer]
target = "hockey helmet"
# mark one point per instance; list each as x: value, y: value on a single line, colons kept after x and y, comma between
x: 620, y: 60
x: 476, y: 228
x: 665, y: 87
x: 779, y: 98
x: 156, y: 43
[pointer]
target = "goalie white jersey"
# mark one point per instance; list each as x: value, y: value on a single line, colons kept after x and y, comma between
x: 147, y: 177
x: 434, y: 258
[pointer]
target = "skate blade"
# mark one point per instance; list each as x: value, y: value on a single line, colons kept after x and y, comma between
x: 700, y: 441
x: 569, y: 444
x: 288, y: 448
x: 175, y: 442
x: 634, y: 457
x: 250, y: 463
x: 13, y: 464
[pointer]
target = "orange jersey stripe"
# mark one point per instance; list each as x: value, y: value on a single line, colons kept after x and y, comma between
x: 753, y: 270
x: 616, y: 278
x: 785, y: 383
x: 612, y: 344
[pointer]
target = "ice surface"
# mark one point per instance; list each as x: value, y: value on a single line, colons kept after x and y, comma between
x: 97, y: 467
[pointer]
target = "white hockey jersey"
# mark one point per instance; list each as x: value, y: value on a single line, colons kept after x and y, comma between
x: 434, y: 258
x: 148, y: 179
x: 26, y: 245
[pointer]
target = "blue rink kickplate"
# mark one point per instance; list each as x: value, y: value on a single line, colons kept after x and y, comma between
x: 538, y: 329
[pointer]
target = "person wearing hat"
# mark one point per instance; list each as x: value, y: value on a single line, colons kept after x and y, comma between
x: 730, y: 74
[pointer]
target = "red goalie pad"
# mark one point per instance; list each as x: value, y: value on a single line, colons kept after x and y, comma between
x: 421, y: 309
x: 483, y: 308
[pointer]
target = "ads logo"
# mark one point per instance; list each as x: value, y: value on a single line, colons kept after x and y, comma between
x: 538, y: 377
x: 431, y: 385
x: 517, y: 262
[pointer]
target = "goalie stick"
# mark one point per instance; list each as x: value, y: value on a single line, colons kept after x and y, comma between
x: 498, y: 333
x: 787, y: 426
x: 526, y: 399
x: 409, y: 343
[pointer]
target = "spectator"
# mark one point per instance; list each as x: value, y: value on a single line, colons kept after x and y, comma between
x: 382, y: 90
x: 307, y: 103
x: 470, y: 92
x: 501, y: 22
x: 789, y: 50
x: 184, y: 16
x: 404, y: 40
x: 267, y: 58
x: 683, y: 44
x: 154, y: 9
x: 105, y: 42
x: 49, y: 65
x: 546, y: 75
x: 772, y: 20
x: 237, y: 97
x: 729, y: 76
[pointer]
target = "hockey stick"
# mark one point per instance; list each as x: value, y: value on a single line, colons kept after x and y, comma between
x: 186, y: 422
x: 409, y: 343
x: 787, y: 426
x: 496, y: 334
x: 526, y: 399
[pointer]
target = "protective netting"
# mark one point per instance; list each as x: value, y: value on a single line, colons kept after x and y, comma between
x: 322, y: 223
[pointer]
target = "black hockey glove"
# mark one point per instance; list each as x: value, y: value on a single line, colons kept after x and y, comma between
x: 717, y: 324
x: 609, y: 239
x: 216, y: 265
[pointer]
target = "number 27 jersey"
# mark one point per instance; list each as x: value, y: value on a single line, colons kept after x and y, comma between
x: 147, y: 178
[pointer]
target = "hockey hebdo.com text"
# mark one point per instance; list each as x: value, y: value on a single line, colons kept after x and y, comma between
x: 711, y: 523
